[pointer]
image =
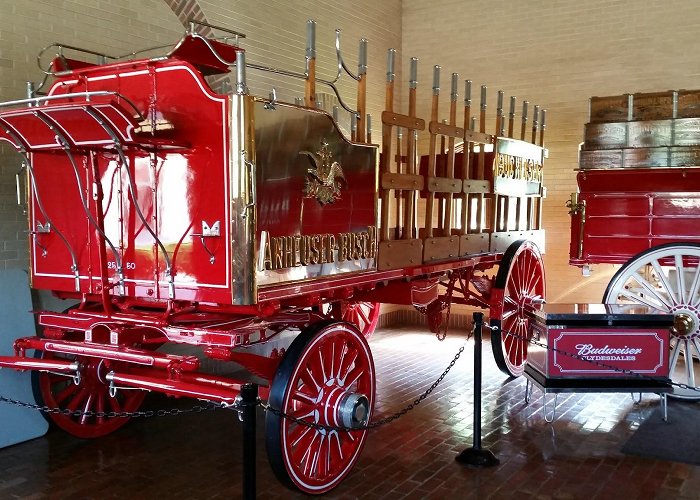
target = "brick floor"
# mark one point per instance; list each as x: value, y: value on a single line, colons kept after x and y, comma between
x: 198, y: 455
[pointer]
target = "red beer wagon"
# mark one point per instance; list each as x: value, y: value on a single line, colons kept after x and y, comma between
x: 638, y: 204
x: 256, y: 232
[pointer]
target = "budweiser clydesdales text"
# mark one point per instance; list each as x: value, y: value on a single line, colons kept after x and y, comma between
x: 307, y: 249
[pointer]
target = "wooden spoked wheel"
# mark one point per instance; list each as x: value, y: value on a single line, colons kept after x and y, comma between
x: 364, y: 315
x: 518, y: 288
x: 326, y: 377
x: 91, y: 394
x: 667, y: 277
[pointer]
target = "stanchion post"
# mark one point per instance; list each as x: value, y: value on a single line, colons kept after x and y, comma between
x: 476, y: 456
x: 249, y: 404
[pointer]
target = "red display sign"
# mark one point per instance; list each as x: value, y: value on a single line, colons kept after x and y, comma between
x: 601, y: 351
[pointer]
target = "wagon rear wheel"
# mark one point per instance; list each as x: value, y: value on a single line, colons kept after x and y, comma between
x: 364, y: 315
x: 667, y: 277
x: 519, y: 286
x: 90, y: 395
x: 326, y: 377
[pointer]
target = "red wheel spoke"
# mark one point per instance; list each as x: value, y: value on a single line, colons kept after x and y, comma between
x: 89, y: 403
x: 101, y: 406
x: 78, y: 399
x: 304, y: 412
x: 309, y: 381
x: 348, y: 360
x: 299, y: 433
x: 362, y: 314
x: 114, y: 404
x: 354, y: 376
x: 304, y: 398
x: 69, y: 391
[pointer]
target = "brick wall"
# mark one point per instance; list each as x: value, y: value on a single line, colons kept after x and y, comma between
x: 556, y: 54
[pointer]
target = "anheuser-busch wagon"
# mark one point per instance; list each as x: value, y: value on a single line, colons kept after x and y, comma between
x: 180, y: 215
x: 638, y: 204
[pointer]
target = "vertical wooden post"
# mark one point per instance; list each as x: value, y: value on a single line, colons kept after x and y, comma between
x: 539, y: 200
x: 497, y: 206
x: 310, y: 88
x: 451, y: 154
x: 466, y: 154
x: 411, y: 167
x: 499, y: 114
x: 369, y: 129
x: 524, y: 121
x: 430, y: 197
x: 535, y: 114
x: 542, y: 127
x: 386, y: 143
x: 482, y: 129
x: 511, y: 116
x: 519, y: 199
x: 362, y: 91
x: 399, y: 194
x: 480, y: 165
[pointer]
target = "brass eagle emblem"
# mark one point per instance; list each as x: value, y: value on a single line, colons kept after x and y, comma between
x: 325, y: 179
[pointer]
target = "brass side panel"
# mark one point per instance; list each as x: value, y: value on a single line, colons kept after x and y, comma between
x: 517, y: 167
x: 316, y: 198
x: 399, y: 253
x: 650, y: 134
x: 688, y: 104
x: 501, y: 241
x: 605, y: 135
x: 686, y: 132
x: 243, y: 184
x: 441, y: 248
x: 473, y: 243
x: 652, y: 106
x: 609, y: 109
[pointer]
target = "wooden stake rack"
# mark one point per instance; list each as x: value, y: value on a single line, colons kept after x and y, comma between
x: 473, y: 193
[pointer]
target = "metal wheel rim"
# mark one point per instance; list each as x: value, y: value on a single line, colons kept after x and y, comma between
x: 520, y: 284
x: 92, y: 394
x: 305, y: 458
x: 653, y: 278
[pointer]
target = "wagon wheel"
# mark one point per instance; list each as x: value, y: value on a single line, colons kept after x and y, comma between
x: 667, y: 277
x: 326, y: 377
x: 519, y: 286
x: 364, y: 315
x: 91, y: 394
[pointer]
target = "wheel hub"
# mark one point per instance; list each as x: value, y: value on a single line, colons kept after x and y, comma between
x: 686, y: 322
x: 343, y: 409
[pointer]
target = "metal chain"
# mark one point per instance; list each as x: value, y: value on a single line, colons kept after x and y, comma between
x: 598, y: 363
x: 115, y: 414
x: 378, y: 423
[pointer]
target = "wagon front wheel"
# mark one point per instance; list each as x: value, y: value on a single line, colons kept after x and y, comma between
x: 326, y: 377
x: 519, y: 287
